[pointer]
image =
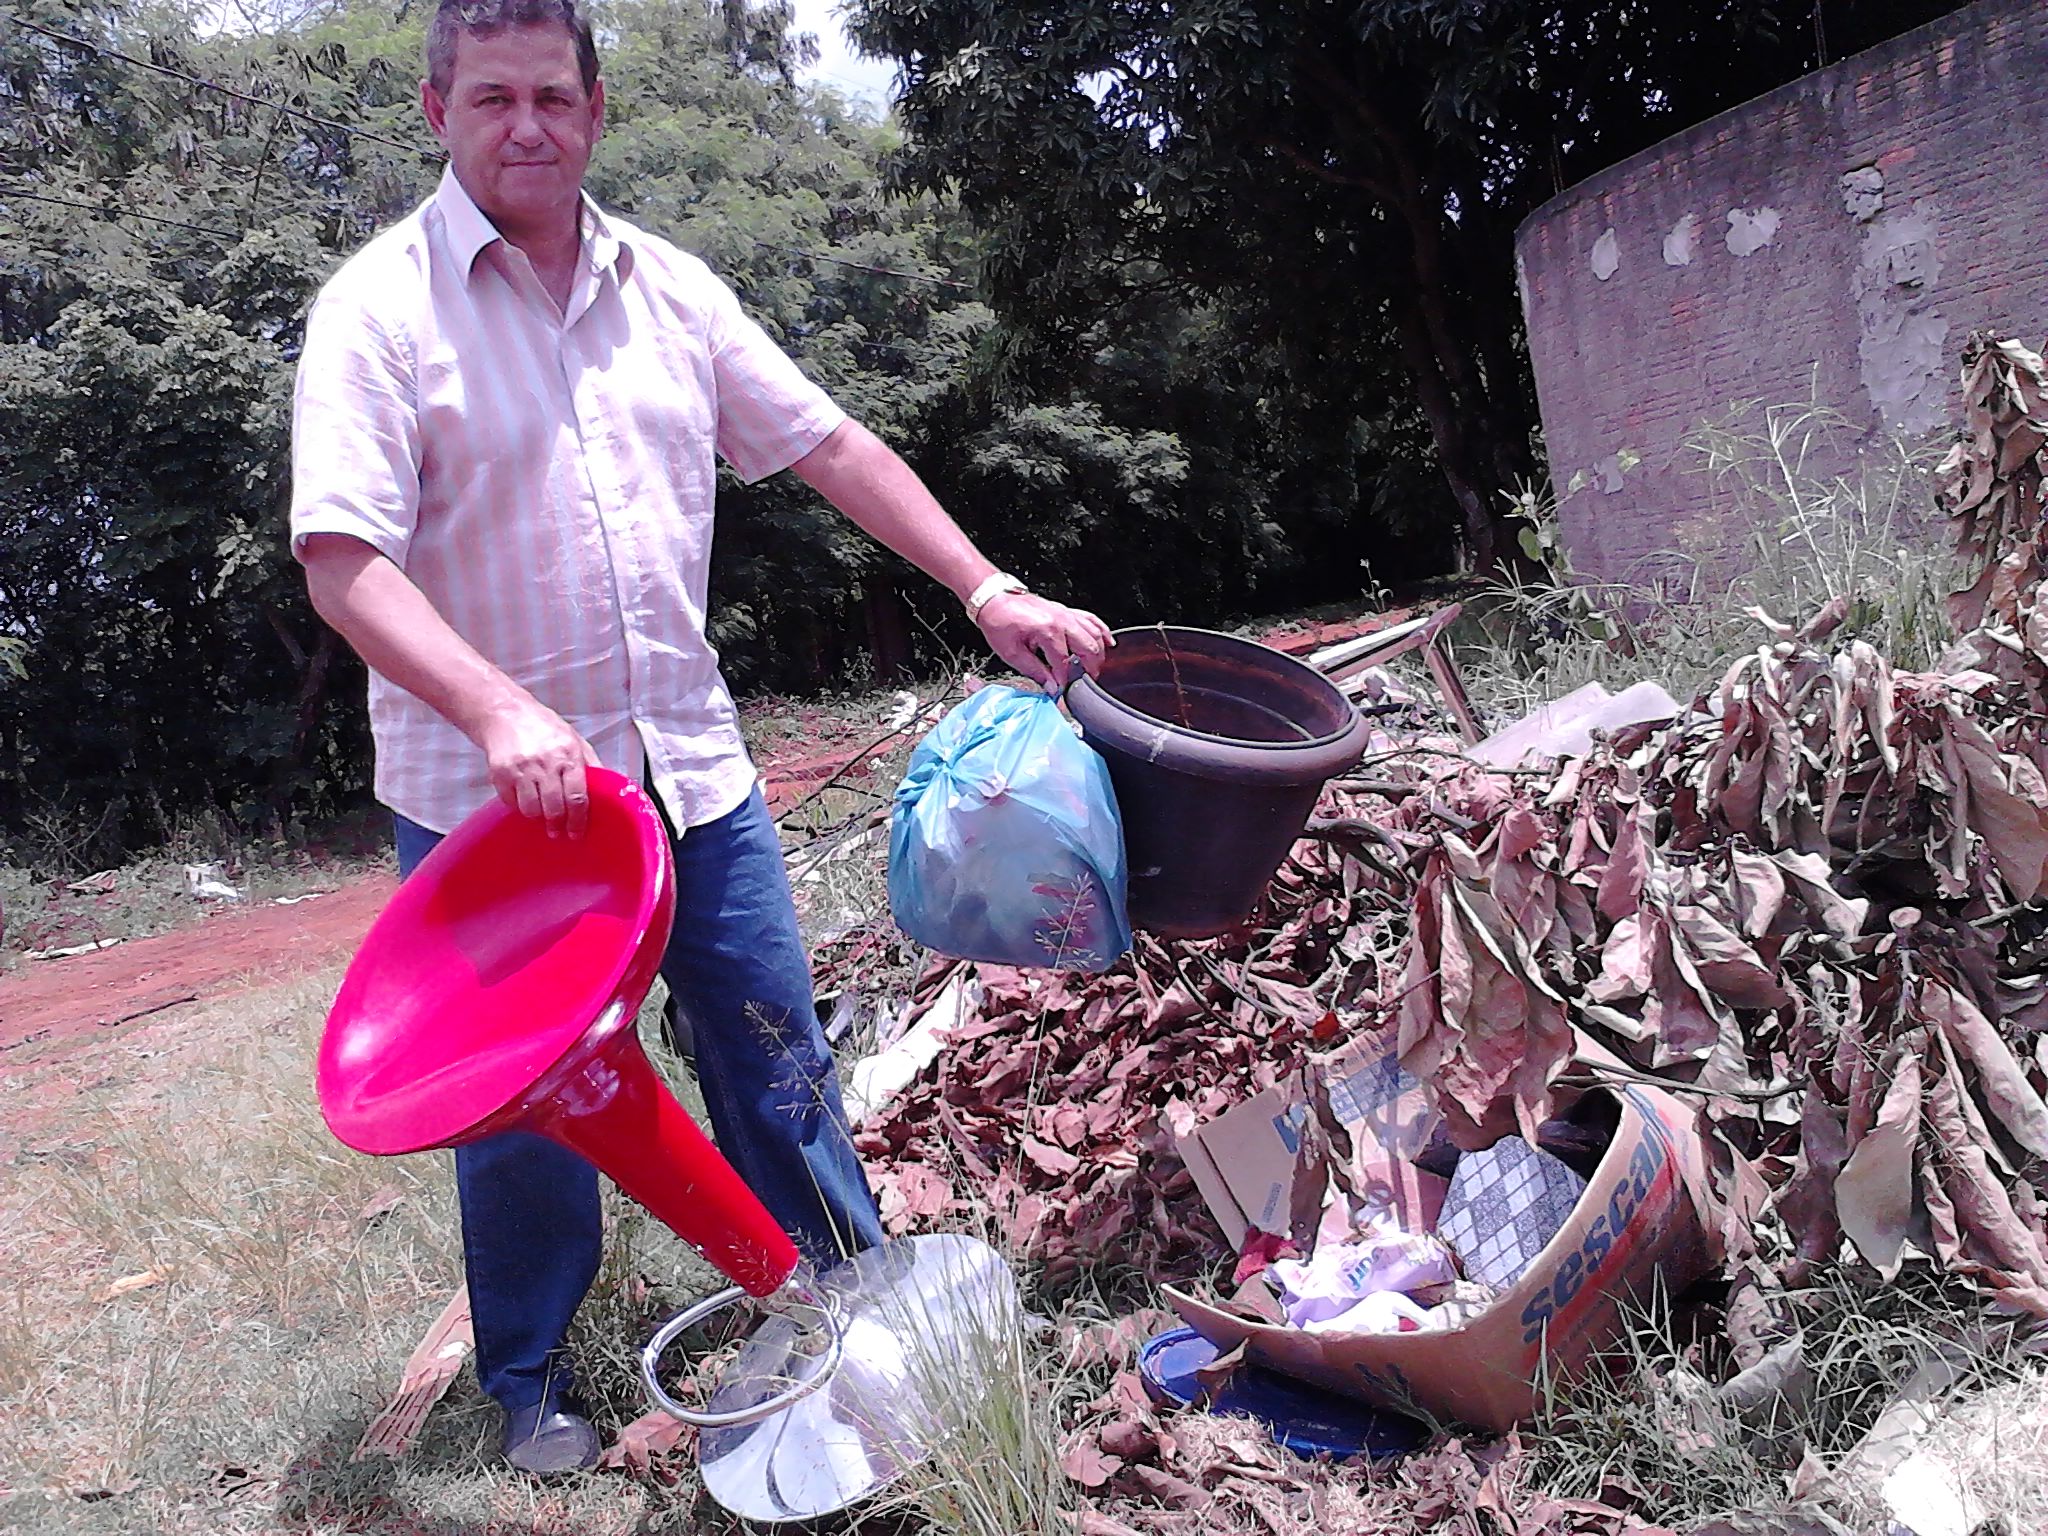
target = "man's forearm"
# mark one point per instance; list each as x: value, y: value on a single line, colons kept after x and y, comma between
x: 374, y: 606
x: 865, y: 479
x: 535, y: 758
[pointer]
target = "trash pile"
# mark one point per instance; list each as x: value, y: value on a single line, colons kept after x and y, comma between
x: 1806, y: 909
x: 1054, y: 1113
x: 1811, y: 901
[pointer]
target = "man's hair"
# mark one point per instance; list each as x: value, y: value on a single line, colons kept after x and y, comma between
x: 483, y: 18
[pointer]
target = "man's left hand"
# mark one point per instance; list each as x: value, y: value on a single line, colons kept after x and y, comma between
x: 1043, y: 639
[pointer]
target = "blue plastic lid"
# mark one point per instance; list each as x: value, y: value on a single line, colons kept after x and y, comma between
x: 1307, y: 1420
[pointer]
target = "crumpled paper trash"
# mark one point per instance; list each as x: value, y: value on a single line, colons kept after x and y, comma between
x: 1392, y: 1312
x: 1341, y: 1275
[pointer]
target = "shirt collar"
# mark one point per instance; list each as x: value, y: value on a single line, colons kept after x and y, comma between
x: 470, y: 231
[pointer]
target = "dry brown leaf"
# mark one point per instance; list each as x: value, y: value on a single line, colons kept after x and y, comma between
x: 1993, y: 1240
x: 429, y: 1370
x: 2001, y: 1080
x: 643, y: 1442
x: 380, y: 1204
x: 1730, y: 969
x: 1874, y: 1192
x: 1086, y: 1463
x: 1093, y: 1522
x: 1807, y: 1202
x: 131, y: 1283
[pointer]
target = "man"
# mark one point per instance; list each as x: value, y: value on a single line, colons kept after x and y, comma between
x: 503, y: 467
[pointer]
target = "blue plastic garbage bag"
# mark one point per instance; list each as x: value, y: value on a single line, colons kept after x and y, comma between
x: 1005, y: 844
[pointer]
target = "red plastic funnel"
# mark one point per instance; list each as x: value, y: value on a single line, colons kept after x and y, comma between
x: 498, y: 992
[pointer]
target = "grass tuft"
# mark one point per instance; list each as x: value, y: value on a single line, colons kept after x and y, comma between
x: 1646, y: 1419
x: 1789, y: 532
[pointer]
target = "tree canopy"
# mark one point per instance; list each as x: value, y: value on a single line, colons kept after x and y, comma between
x: 1344, y: 177
x: 1187, y: 312
x: 174, y: 192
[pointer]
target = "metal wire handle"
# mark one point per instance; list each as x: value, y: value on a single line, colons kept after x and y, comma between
x: 665, y: 1335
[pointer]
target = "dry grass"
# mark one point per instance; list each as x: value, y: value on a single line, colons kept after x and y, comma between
x: 226, y: 1397
x: 1991, y: 1454
x: 999, y: 1396
x: 1789, y: 533
x: 1649, y: 1422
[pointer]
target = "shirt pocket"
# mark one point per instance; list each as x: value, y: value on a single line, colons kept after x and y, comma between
x: 679, y: 406
x: 488, y: 420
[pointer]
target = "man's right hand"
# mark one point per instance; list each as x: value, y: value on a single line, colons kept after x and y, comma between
x: 537, y: 760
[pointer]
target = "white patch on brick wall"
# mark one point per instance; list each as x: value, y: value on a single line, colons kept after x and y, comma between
x: 1863, y: 193
x: 1606, y: 255
x: 1751, y: 229
x: 1522, y: 282
x: 1903, y: 342
x: 1682, y: 242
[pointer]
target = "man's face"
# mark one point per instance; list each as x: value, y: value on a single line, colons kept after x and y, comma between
x: 518, y: 123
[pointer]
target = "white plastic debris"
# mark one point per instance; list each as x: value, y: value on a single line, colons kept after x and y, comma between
x: 1392, y: 1312
x: 1341, y: 1275
x: 209, y: 882
x: 69, y: 950
x: 877, y: 1079
x: 1564, y: 727
x: 1931, y: 1498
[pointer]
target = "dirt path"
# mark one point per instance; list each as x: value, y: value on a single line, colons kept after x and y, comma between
x: 234, y: 948
x: 228, y: 950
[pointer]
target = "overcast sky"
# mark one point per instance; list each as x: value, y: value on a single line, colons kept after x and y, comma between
x: 838, y: 64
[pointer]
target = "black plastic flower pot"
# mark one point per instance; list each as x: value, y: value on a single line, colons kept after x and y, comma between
x: 1218, y: 748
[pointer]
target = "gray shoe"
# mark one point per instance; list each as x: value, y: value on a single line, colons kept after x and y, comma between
x: 541, y: 1442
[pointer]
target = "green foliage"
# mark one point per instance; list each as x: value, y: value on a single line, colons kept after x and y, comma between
x: 1571, y: 605
x: 1346, y: 178
x: 151, y: 292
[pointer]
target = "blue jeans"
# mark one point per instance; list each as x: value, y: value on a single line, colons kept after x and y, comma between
x: 736, y: 966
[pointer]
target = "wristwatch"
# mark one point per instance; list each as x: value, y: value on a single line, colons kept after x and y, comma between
x: 992, y: 587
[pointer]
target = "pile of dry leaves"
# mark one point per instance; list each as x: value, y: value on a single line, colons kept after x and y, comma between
x: 1810, y: 904
x: 1052, y: 1114
x: 1812, y: 901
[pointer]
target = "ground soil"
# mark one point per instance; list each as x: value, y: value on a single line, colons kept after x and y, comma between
x: 229, y: 949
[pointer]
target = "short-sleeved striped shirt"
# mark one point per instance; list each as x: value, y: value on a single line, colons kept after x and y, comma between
x: 546, y: 478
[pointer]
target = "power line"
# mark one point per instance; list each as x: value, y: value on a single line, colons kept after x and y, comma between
x: 110, y: 212
x: 212, y: 85
x: 861, y: 266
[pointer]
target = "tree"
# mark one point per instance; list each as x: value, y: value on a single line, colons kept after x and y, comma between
x: 1347, y: 177
x: 711, y: 143
x: 163, y: 240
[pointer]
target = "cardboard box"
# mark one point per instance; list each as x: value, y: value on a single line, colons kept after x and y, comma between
x: 1640, y: 1219
x: 1243, y: 1161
